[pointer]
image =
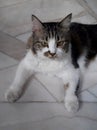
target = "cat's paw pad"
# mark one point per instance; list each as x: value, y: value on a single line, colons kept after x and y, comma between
x: 71, y: 103
x: 12, y: 95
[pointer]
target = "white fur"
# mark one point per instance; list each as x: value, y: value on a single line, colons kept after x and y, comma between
x: 46, y: 65
x: 60, y: 67
x: 52, y: 45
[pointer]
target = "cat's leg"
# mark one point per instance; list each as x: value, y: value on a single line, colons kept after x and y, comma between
x: 15, y: 91
x: 71, y: 99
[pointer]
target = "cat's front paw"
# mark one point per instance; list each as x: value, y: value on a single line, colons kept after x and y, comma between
x: 12, y: 95
x: 71, y: 103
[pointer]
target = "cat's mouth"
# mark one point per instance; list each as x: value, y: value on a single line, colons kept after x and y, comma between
x: 50, y: 55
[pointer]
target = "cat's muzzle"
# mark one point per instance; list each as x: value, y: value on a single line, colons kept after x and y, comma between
x: 50, y: 55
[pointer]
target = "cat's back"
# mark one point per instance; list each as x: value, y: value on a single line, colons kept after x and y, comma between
x: 83, y: 29
x: 83, y: 39
x: 75, y: 25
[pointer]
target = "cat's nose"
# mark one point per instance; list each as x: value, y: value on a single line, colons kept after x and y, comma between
x: 52, y: 54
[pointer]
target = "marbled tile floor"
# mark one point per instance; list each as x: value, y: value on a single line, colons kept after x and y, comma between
x: 41, y: 107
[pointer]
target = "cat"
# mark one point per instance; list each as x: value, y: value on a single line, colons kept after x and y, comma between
x: 55, y: 48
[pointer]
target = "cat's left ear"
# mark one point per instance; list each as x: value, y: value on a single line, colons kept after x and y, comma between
x: 65, y: 23
x: 37, y: 26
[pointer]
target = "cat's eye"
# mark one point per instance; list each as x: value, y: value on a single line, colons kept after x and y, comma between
x: 38, y: 45
x: 45, y: 44
x: 60, y: 43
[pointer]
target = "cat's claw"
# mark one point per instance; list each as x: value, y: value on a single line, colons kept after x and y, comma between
x: 12, y: 95
x: 72, y: 104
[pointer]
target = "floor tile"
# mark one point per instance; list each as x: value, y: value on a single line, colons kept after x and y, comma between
x: 17, y: 20
x: 6, y: 61
x: 93, y: 90
x: 35, y: 91
x: 12, y: 46
x: 93, y: 5
x: 26, y: 112
x: 4, y: 3
x: 57, y: 123
x: 24, y: 37
x: 49, y: 116
x: 86, y: 19
x: 17, y: 29
x: 1, y: 25
x: 88, y: 80
x: 95, y: 22
x: 87, y: 97
x: 53, y: 85
x: 87, y: 110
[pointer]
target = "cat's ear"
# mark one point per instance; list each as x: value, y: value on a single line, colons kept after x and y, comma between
x: 37, y: 26
x: 65, y: 23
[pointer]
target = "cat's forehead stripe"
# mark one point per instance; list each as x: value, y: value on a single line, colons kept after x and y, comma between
x: 51, y: 30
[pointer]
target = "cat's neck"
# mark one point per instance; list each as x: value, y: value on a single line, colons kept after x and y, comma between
x: 66, y: 57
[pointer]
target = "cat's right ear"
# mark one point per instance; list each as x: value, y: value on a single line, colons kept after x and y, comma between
x: 37, y: 26
x: 65, y: 23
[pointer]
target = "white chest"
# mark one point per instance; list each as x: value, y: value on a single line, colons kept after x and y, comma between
x: 46, y: 66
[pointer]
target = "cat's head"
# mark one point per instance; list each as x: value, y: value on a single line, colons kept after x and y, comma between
x: 50, y: 40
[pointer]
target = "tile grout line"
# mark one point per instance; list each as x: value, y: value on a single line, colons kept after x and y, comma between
x: 2, y: 51
x: 11, y: 66
x: 41, y: 120
x: 92, y: 94
x: 9, y: 55
x: 11, y: 36
x: 82, y: 13
x: 85, y: 117
x: 50, y: 118
x: 23, y: 33
x: 86, y: 6
x: 87, y: 88
x: 47, y: 89
x: 25, y: 102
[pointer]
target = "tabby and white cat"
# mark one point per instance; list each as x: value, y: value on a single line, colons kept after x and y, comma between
x: 55, y: 48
